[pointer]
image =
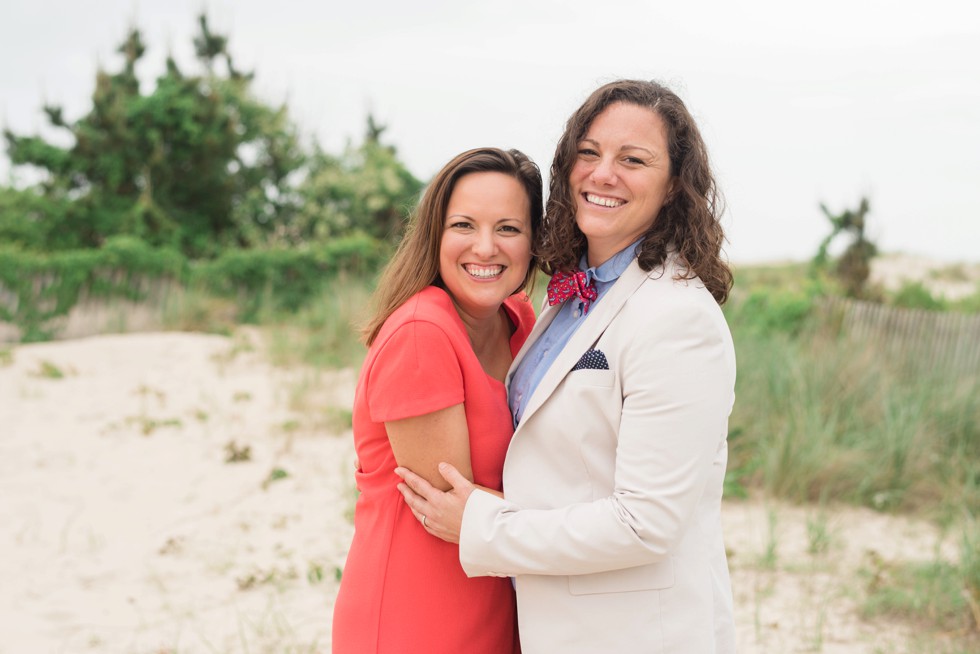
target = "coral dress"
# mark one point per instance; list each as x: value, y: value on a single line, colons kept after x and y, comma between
x: 403, y: 590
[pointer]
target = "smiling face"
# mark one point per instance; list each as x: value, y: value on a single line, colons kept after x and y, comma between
x: 621, y: 178
x: 486, y: 242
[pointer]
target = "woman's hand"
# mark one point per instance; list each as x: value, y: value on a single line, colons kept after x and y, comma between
x: 442, y: 510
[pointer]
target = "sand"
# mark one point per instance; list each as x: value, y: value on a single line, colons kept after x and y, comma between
x: 124, y: 526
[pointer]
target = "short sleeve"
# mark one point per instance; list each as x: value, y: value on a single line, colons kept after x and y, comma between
x: 415, y: 372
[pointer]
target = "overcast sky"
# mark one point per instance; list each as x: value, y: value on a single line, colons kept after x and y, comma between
x: 799, y: 103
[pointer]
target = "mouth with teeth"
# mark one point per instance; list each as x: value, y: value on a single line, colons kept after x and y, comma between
x: 603, y: 201
x: 483, y: 272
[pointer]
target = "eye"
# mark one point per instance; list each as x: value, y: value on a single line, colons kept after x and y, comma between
x: 511, y: 229
x: 636, y: 161
x: 587, y: 153
x: 459, y: 224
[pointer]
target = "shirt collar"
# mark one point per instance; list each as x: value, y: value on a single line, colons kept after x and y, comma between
x: 614, y: 267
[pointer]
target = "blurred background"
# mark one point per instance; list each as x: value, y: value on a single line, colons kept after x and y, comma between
x: 798, y: 104
x: 235, y: 174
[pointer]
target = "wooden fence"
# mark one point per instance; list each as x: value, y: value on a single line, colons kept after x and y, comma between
x: 944, y: 341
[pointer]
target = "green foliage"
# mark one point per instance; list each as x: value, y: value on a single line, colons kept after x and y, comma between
x: 32, y: 220
x: 36, y: 288
x: 766, y: 312
x: 930, y: 594
x: 968, y: 304
x: 819, y: 417
x: 276, y: 474
x: 853, y: 267
x: 192, y: 164
x: 738, y: 477
x: 913, y: 295
x: 194, y: 181
x: 970, y: 566
x: 823, y: 419
x: 773, y: 299
x: 285, y: 279
x: 323, y: 333
x: 367, y: 190
x: 197, y: 164
x: 48, y: 370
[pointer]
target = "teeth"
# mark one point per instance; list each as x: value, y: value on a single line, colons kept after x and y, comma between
x: 601, y: 201
x: 484, y: 272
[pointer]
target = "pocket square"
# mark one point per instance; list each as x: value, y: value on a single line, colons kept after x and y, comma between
x: 592, y: 360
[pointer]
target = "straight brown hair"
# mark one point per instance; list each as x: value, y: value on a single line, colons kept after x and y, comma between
x: 415, y: 264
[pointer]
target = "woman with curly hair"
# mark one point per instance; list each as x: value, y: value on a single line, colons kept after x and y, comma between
x: 610, y: 522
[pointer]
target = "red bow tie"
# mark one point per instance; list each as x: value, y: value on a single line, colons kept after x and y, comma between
x: 565, y: 285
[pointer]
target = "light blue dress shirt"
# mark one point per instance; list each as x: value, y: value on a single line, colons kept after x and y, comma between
x: 570, y: 317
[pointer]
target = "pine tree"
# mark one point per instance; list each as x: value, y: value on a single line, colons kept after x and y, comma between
x: 197, y: 163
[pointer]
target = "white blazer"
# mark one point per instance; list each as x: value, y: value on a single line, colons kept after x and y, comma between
x: 613, y: 481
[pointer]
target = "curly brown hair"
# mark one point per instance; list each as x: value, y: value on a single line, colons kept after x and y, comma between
x: 689, y: 221
x: 415, y: 264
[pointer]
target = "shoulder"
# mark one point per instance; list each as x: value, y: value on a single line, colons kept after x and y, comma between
x: 430, y: 305
x: 671, y: 282
x: 674, y: 324
x: 669, y: 299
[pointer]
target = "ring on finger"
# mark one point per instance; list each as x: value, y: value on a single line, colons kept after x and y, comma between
x: 423, y: 521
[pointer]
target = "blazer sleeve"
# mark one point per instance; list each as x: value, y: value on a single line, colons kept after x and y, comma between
x: 678, y: 376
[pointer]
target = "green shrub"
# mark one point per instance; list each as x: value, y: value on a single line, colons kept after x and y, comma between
x: 36, y: 288
x: 763, y: 311
x: 286, y: 279
x: 913, y: 295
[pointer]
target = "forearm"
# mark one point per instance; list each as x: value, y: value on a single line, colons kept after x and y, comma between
x: 620, y: 531
x: 669, y: 445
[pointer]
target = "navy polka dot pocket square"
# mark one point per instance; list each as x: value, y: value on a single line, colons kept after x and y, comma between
x: 592, y: 360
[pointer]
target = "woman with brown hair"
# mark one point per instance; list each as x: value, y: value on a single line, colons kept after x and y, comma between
x: 450, y: 316
x: 611, y: 523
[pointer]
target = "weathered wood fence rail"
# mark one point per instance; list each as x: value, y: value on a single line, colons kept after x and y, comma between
x: 945, y: 341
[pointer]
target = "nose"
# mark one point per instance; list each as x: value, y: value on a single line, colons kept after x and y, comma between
x: 485, y: 245
x: 604, y: 173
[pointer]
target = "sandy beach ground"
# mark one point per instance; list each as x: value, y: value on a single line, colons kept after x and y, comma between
x: 167, y: 493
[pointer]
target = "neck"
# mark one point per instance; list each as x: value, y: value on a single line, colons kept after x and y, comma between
x: 490, y: 338
x: 485, y: 329
x: 599, y: 253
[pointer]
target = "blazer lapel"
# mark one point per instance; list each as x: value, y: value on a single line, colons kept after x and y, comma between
x: 599, y: 318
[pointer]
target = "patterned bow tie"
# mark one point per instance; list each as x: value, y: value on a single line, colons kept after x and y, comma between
x: 565, y: 285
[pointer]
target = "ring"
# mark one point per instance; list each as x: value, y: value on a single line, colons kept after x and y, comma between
x: 423, y: 521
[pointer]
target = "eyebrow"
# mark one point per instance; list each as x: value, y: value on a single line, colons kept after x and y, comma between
x: 625, y: 147
x: 469, y: 217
